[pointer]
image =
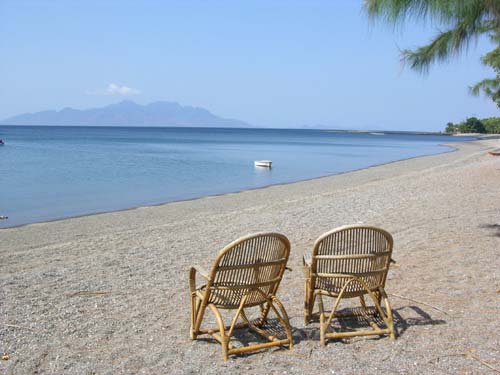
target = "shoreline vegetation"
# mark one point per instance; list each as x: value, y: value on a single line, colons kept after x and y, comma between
x: 473, y: 125
x: 108, y: 293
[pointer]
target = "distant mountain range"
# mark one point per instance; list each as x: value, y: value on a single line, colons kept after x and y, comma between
x: 128, y: 113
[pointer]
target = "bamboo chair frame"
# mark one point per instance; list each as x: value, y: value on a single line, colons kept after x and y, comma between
x: 349, y: 262
x: 246, y: 273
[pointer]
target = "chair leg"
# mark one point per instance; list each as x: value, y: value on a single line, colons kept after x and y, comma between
x: 379, y: 299
x: 224, y: 340
x: 322, y: 325
x: 309, y: 295
x: 365, y: 308
x: 195, y: 306
x: 199, y: 317
x: 332, y: 315
x: 236, y: 316
x: 390, y: 320
x: 283, y: 318
x: 264, y: 312
x: 307, y: 315
x: 363, y: 303
x: 309, y: 301
x: 225, y: 348
x: 378, y: 308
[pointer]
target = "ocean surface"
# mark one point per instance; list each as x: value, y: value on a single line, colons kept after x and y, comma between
x: 50, y: 173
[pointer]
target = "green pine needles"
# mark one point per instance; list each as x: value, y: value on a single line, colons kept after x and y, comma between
x: 464, y: 21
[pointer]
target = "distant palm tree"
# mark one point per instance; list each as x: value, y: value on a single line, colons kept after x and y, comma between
x: 465, y: 20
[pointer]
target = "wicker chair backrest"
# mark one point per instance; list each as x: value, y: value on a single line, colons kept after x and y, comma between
x: 357, y: 250
x: 251, y: 266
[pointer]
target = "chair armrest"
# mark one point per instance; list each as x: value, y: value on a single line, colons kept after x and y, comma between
x: 307, y: 259
x: 192, y: 277
x: 201, y: 271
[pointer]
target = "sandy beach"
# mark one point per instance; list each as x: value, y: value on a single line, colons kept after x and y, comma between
x: 108, y: 293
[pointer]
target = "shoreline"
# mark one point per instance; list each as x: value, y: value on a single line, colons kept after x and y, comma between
x: 108, y: 293
x: 453, y: 147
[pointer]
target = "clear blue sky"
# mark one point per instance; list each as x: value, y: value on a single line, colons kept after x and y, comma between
x: 270, y: 63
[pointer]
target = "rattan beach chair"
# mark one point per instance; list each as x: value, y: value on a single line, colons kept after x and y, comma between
x: 246, y: 274
x: 349, y: 262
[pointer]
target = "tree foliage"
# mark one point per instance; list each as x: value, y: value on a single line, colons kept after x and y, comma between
x: 450, y: 128
x: 473, y: 125
x: 492, y: 125
x: 464, y: 22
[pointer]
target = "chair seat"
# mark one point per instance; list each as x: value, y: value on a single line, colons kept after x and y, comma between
x: 335, y: 293
x: 231, y: 298
x: 332, y: 287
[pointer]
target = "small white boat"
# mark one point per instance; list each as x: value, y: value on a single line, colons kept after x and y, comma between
x: 263, y: 163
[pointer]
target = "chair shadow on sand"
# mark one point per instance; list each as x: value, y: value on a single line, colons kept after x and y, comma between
x: 245, y: 337
x: 351, y: 323
x: 415, y: 316
x: 494, y: 227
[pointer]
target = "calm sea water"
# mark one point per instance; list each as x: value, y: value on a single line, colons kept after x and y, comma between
x: 55, y: 172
